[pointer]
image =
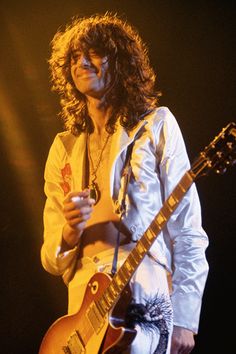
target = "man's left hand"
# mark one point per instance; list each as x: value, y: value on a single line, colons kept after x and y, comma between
x: 182, y: 341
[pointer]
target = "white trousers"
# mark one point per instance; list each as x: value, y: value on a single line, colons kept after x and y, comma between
x: 149, y: 287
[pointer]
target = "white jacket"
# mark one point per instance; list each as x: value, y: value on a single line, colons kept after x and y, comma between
x: 159, y: 159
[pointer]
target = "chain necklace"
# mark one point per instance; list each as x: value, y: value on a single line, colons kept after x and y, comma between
x: 93, y: 185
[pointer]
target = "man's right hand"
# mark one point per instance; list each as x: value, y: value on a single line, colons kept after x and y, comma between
x: 77, y: 210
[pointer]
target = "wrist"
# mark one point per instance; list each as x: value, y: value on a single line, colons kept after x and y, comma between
x: 70, y: 237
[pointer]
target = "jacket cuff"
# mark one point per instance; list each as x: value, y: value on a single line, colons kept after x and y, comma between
x: 55, y: 261
x: 186, y: 312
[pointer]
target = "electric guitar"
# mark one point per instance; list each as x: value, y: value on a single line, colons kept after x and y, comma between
x: 99, y: 326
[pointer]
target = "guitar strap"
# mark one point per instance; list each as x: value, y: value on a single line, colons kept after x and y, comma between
x: 126, y: 173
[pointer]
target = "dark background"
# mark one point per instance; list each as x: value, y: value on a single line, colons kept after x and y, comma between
x: 192, y: 48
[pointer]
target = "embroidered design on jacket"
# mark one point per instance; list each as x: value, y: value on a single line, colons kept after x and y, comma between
x: 66, y: 173
x: 155, y: 315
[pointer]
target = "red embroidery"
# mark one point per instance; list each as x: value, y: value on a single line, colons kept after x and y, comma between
x: 66, y: 176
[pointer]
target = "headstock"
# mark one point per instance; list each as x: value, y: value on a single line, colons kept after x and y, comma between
x: 219, y: 154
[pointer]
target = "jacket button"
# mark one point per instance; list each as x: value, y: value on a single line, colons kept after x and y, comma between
x: 133, y: 228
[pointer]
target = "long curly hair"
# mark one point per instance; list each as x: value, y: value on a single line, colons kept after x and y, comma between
x: 131, y: 93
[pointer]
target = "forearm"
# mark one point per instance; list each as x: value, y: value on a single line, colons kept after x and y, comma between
x: 70, y: 237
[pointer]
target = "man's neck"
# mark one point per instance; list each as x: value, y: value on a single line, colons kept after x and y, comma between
x: 99, y: 114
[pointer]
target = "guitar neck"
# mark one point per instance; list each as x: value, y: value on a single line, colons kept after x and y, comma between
x: 125, y: 272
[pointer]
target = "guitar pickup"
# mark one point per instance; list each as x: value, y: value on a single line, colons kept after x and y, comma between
x: 95, y: 318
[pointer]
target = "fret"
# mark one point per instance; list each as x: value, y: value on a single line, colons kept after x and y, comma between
x: 183, y: 183
x: 182, y: 188
x: 108, y: 299
x: 178, y: 192
x: 118, y: 280
x: 136, y: 255
x: 125, y: 272
x: 155, y: 229
x: 112, y: 289
x: 105, y: 300
x: 150, y: 234
x: 172, y: 201
x: 186, y: 182
x: 166, y: 211
x: 132, y: 261
x: 115, y: 286
x: 145, y: 241
x: 128, y: 267
x: 122, y: 275
x: 140, y: 248
x: 109, y: 294
x: 161, y: 219
x: 100, y: 308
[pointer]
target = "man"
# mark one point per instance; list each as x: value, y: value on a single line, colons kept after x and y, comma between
x: 102, y: 72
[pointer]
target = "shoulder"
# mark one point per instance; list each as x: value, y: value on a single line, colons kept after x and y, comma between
x: 161, y: 115
x: 63, y: 143
x: 162, y: 120
x: 165, y: 131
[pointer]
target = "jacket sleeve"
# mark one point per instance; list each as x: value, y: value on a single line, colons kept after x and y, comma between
x: 56, y: 185
x: 185, y: 234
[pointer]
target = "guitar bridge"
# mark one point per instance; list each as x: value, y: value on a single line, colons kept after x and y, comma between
x: 75, y: 345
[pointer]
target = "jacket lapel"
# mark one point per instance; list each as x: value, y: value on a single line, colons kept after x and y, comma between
x: 120, y: 141
x: 78, y: 160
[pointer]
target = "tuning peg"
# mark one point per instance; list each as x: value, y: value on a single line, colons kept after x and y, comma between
x: 221, y: 170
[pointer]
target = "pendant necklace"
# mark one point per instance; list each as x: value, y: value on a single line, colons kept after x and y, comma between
x: 95, y: 193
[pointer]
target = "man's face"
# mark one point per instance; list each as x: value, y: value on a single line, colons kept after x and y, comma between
x: 90, y: 73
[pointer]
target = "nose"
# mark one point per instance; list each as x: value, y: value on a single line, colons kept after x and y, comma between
x: 84, y: 61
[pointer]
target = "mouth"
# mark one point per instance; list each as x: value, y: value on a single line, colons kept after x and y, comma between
x: 86, y: 74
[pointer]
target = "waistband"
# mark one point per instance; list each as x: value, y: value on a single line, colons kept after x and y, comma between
x: 104, y: 259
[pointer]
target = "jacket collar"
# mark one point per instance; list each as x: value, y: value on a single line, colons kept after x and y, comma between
x: 122, y: 139
x: 77, y: 152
